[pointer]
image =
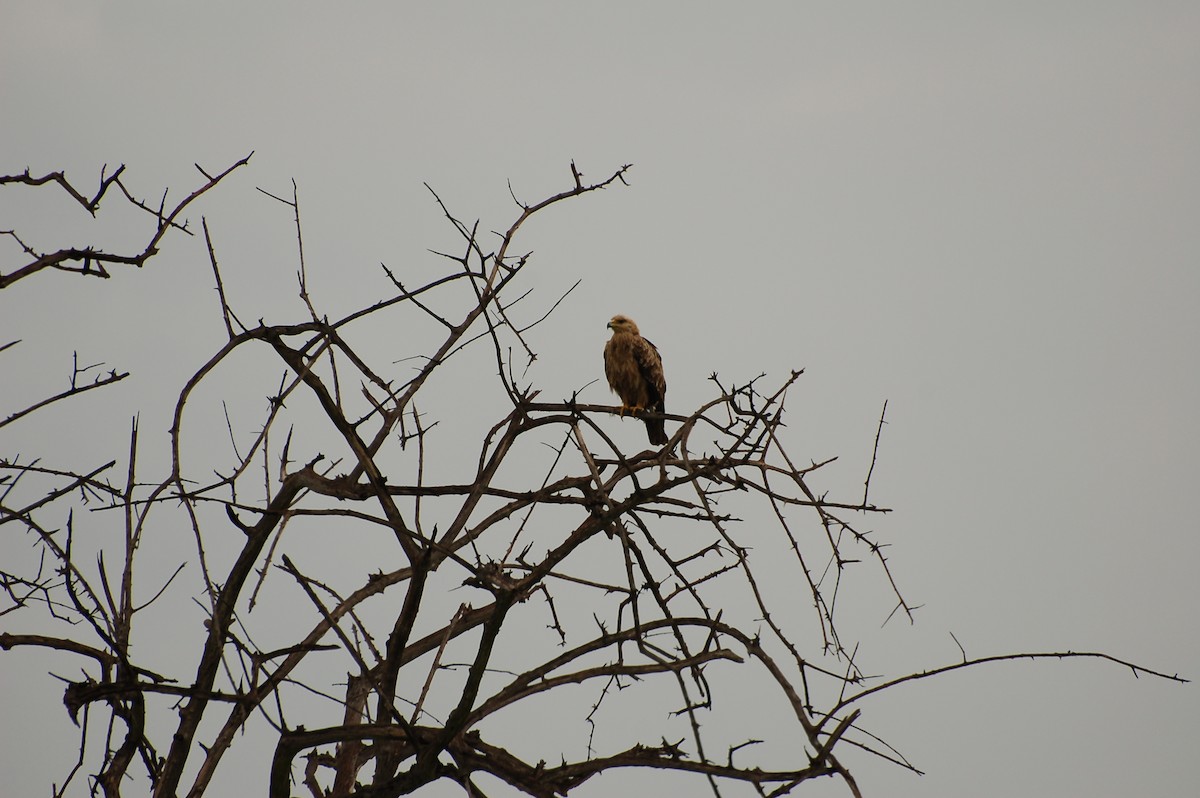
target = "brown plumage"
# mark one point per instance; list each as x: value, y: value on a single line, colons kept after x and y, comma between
x: 635, y: 373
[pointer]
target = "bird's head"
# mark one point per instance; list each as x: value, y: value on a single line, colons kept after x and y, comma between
x: 623, y: 324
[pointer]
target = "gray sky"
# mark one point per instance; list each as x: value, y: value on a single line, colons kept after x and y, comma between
x: 984, y: 214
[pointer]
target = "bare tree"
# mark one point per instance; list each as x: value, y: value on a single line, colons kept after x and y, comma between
x: 558, y: 571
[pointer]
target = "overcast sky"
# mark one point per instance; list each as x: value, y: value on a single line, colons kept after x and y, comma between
x: 986, y: 214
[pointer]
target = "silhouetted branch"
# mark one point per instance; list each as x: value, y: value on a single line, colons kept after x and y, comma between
x: 93, y: 261
x: 417, y: 564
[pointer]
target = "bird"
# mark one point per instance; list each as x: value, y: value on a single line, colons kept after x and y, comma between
x: 635, y: 373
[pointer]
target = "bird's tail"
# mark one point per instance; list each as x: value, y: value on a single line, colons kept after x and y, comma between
x: 656, y: 428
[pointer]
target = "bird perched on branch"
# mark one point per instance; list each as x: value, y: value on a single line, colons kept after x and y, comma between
x: 635, y: 373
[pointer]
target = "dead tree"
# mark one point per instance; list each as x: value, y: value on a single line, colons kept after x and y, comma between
x: 475, y: 630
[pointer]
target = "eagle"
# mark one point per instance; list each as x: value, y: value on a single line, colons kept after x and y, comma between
x: 635, y: 373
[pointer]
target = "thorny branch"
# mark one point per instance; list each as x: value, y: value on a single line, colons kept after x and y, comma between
x: 411, y: 573
x: 93, y: 261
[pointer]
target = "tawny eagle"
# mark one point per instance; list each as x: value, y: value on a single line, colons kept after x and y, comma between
x: 635, y: 373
